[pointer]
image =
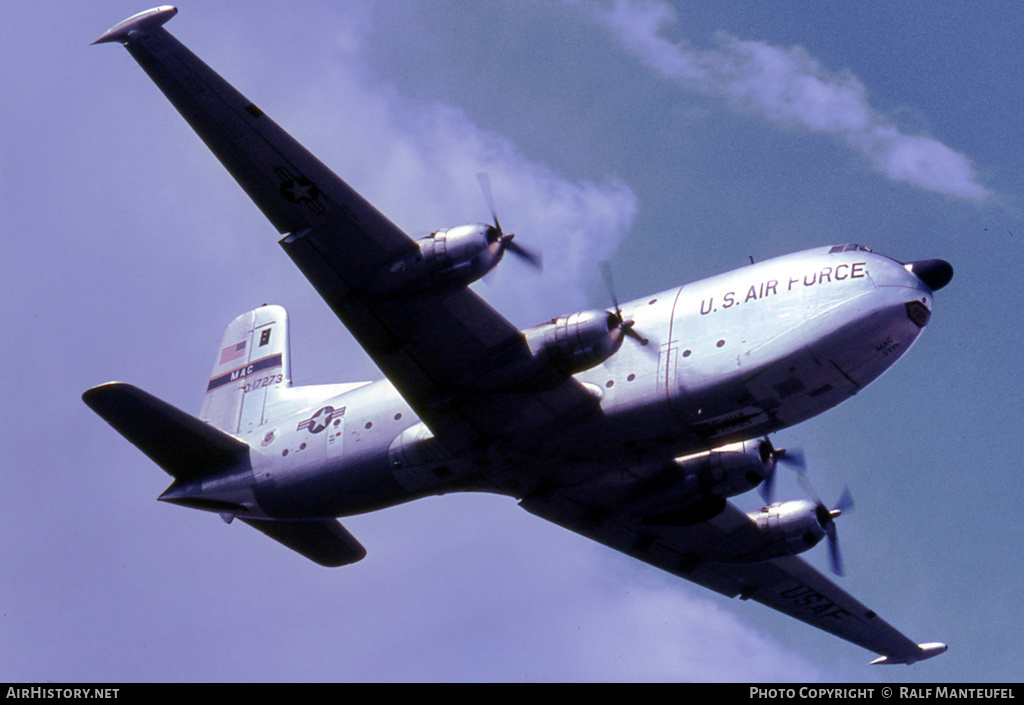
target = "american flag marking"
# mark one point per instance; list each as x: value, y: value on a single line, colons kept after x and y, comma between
x: 232, y: 352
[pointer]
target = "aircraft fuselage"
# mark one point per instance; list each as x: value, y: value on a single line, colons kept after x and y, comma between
x: 728, y: 358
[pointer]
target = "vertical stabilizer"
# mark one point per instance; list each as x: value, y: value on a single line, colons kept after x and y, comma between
x: 251, y: 369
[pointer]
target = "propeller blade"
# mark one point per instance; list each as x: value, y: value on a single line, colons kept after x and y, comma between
x: 628, y: 329
x: 845, y: 503
x: 625, y: 326
x: 769, y: 456
x: 529, y: 256
x: 794, y: 459
x: 835, y: 557
x: 767, y: 489
x: 609, y: 284
x: 772, y: 456
x: 484, y: 179
x: 805, y: 483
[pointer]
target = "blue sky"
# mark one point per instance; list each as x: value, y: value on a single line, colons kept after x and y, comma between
x: 676, y: 140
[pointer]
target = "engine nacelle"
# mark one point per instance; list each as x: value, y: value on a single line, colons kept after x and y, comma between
x: 576, y: 342
x: 787, y: 528
x: 448, y: 258
x: 557, y: 350
x: 729, y: 470
x: 704, y: 482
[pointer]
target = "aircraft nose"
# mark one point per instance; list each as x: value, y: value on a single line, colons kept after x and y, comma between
x: 935, y: 273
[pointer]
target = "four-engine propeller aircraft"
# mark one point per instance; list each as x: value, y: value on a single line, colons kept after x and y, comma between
x: 632, y: 426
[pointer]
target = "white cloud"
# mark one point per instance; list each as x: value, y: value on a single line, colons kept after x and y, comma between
x: 417, y: 162
x: 685, y: 638
x: 791, y: 87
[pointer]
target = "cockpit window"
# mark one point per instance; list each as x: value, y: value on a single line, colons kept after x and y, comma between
x: 849, y: 248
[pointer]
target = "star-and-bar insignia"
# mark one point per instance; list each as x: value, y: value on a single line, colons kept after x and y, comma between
x: 298, y: 189
x: 321, y: 419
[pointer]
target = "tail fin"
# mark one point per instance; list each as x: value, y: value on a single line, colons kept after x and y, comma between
x: 252, y: 368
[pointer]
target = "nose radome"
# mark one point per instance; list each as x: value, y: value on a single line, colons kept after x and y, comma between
x: 935, y: 273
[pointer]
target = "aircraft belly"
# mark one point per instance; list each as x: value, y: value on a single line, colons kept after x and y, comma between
x: 635, y: 420
x: 328, y: 489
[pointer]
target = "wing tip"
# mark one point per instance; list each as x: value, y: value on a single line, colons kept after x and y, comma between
x: 924, y: 651
x: 140, y: 22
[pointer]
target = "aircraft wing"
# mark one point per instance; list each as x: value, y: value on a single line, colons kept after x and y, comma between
x: 435, y: 347
x: 789, y: 584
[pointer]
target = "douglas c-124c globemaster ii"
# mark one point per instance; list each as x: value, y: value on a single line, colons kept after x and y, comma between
x: 631, y: 426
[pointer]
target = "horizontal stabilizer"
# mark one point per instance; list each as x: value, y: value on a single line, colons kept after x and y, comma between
x: 185, y: 447
x: 326, y: 542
